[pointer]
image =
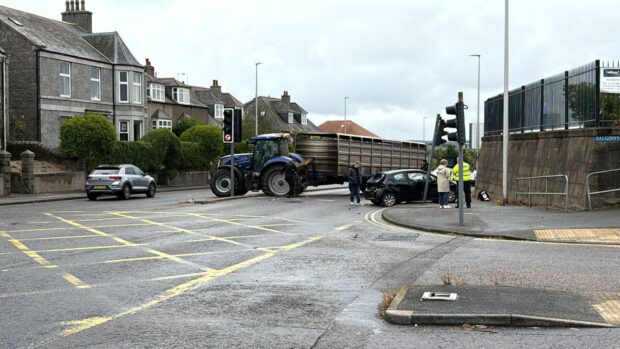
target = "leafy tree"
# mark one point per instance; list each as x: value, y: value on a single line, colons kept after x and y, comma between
x: 87, y: 137
x: 450, y: 152
x: 265, y: 124
x: 185, y: 124
x: 167, y: 147
x: 210, y: 139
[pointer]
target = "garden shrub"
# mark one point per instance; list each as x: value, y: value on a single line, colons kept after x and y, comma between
x: 167, y: 146
x: 209, y: 137
x: 87, y: 137
x: 185, y: 124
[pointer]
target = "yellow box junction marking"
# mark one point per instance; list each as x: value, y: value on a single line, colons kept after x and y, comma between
x: 72, y: 279
x: 604, y: 235
x: 125, y: 243
x: 344, y: 227
x: 82, y: 325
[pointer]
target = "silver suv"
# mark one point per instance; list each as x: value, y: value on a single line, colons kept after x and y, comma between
x: 119, y: 180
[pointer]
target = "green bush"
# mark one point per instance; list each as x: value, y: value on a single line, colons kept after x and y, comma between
x: 141, y: 154
x: 210, y: 139
x: 87, y: 137
x: 185, y: 124
x: 191, y: 158
x: 167, y: 147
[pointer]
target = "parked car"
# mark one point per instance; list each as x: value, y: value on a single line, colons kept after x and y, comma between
x: 390, y: 188
x: 119, y: 180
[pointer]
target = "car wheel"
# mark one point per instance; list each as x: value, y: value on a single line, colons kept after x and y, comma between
x: 92, y: 197
x: 125, y: 194
x: 452, y: 197
x: 388, y: 200
x: 151, y: 192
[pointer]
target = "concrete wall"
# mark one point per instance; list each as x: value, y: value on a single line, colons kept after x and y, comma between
x: 23, y: 101
x: 50, y: 183
x: 567, y: 152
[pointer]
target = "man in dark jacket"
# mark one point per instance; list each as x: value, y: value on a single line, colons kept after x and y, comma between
x: 355, y: 181
x: 289, y: 171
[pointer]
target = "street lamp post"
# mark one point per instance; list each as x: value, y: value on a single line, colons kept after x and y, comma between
x: 424, y: 128
x: 345, y: 114
x: 256, y: 98
x: 477, y: 144
x: 506, y: 98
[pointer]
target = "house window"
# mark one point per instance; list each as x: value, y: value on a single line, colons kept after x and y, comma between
x: 137, y: 88
x: 219, y: 111
x: 95, y: 84
x: 137, y: 130
x: 157, y: 92
x: 304, y: 119
x: 124, y: 131
x: 181, y: 95
x: 123, y: 87
x: 65, y: 79
x: 291, y: 118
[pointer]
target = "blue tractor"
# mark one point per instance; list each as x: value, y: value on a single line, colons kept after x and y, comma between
x: 260, y: 170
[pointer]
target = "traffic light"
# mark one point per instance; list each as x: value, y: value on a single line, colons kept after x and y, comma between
x: 458, y: 123
x: 228, y: 126
x: 439, y: 133
x: 238, y: 125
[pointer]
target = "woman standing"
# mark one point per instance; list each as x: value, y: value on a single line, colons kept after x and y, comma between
x: 443, y: 183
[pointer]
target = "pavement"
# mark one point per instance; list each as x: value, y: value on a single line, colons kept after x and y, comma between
x: 490, y: 220
x: 492, y: 306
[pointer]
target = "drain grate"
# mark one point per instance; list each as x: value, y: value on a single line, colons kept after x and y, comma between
x: 397, y: 237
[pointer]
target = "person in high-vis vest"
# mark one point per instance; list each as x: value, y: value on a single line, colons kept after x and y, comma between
x: 466, y: 181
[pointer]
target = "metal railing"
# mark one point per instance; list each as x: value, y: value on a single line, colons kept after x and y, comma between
x: 590, y: 193
x: 546, y: 193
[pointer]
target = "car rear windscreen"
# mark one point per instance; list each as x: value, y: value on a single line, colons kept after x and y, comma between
x: 106, y: 171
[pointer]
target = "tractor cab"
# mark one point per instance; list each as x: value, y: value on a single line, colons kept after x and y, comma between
x: 267, y: 147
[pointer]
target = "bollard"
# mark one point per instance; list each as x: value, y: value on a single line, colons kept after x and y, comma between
x: 5, y: 172
x: 27, y: 172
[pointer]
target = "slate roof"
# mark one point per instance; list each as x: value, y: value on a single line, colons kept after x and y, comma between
x: 113, y: 47
x: 160, y: 114
x: 276, y: 108
x: 68, y: 39
x: 337, y: 126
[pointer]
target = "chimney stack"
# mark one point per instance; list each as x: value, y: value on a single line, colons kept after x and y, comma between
x: 216, y: 88
x: 286, y: 98
x: 77, y: 14
x: 149, y: 69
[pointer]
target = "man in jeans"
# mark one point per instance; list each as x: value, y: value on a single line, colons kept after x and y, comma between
x: 355, y: 181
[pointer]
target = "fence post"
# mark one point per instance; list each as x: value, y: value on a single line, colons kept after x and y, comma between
x: 542, y: 105
x: 5, y: 172
x: 566, y: 98
x: 27, y: 172
x: 522, y: 109
x: 597, y: 98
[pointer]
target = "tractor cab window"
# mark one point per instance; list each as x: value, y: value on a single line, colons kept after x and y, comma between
x: 265, y: 151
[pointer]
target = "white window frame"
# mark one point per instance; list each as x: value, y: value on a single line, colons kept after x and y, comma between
x: 136, y: 88
x: 65, y: 76
x: 219, y: 111
x: 291, y: 118
x: 121, y: 84
x: 97, y: 81
x: 157, y: 92
x: 304, y: 119
x: 120, y: 130
x: 183, y: 92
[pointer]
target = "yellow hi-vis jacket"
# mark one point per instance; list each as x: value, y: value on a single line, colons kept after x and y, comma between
x: 466, y: 172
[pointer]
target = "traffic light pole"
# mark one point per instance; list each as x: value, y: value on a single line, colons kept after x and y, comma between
x: 461, y: 185
x: 430, y: 158
x: 232, y: 158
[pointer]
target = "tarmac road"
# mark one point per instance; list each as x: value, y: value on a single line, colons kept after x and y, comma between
x: 261, y: 273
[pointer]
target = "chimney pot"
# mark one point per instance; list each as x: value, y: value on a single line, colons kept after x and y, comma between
x: 216, y: 88
x: 215, y: 83
x: 67, y: 4
x: 286, y: 98
x: 72, y: 6
x: 83, y: 5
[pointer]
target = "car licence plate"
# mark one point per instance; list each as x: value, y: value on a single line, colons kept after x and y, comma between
x: 100, y: 187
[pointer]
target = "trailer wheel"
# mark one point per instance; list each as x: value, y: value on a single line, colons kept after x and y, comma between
x: 274, y: 183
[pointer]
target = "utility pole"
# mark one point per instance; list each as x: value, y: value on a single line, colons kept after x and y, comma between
x: 256, y: 98
x: 506, y: 135
x: 345, y: 114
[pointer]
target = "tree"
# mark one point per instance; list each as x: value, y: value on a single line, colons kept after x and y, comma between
x: 185, y: 124
x: 87, y: 137
x: 210, y: 139
x: 167, y: 147
x: 265, y: 124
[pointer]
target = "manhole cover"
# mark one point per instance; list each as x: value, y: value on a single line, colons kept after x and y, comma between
x: 397, y: 237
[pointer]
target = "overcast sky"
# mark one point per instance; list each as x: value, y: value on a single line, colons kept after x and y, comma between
x: 398, y: 60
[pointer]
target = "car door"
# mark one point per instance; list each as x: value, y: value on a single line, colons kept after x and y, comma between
x: 141, y: 178
x: 418, y: 182
x: 130, y: 175
x: 402, y: 186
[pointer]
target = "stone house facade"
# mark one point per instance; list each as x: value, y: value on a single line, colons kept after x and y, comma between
x: 62, y: 69
x: 284, y: 115
x: 4, y: 66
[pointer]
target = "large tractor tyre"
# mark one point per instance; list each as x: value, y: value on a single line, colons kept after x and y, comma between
x: 220, y: 184
x: 240, y: 188
x: 273, y: 182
